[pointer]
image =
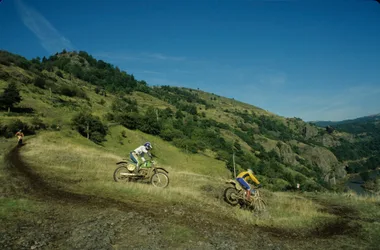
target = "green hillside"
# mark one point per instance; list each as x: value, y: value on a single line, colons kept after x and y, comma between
x: 82, y: 115
x: 282, y: 151
x: 361, y: 152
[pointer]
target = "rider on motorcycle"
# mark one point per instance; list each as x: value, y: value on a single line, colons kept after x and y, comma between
x: 243, y: 177
x: 140, y: 151
x: 20, y: 136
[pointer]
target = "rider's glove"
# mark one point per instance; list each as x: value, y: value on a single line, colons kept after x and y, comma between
x: 259, y: 186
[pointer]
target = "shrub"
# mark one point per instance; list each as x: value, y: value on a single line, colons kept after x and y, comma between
x: 37, y: 123
x: 59, y: 73
x: 10, y: 96
x: 102, y: 102
x: 4, y: 75
x: 123, y: 134
x: 365, y: 176
x: 128, y: 120
x: 188, y: 145
x: 13, y: 126
x: 72, y: 92
x: 170, y: 134
x: 39, y: 82
x: 90, y: 126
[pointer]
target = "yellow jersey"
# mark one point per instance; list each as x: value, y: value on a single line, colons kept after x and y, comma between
x: 247, y: 175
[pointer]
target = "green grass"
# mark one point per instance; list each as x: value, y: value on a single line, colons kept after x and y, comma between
x: 74, y: 163
x: 11, y: 208
x: 178, y: 235
x: 83, y: 167
x: 169, y: 156
x: 367, y: 207
x: 52, y: 112
x: 71, y: 162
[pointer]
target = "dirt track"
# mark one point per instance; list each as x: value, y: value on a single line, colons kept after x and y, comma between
x: 41, y: 188
x: 78, y: 221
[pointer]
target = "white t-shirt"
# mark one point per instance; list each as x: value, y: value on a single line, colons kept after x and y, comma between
x: 141, y: 150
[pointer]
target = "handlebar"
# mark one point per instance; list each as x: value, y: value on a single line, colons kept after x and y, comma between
x: 258, y: 186
x: 152, y: 155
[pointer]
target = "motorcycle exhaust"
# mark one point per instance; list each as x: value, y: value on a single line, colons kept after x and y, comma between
x: 128, y: 174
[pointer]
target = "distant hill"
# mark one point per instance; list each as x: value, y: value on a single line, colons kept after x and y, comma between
x: 369, y: 118
x: 362, y: 151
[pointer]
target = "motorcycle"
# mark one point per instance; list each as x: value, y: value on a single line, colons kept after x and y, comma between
x: 235, y: 194
x: 148, y: 172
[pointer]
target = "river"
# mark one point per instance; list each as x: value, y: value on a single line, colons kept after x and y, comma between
x: 355, y: 182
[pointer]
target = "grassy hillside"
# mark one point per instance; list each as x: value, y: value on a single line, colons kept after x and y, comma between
x: 282, y: 151
x: 361, y: 151
x: 64, y: 197
x: 58, y: 191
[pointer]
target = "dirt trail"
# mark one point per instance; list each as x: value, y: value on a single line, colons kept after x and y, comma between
x: 345, y: 224
x: 43, y: 189
x: 79, y: 221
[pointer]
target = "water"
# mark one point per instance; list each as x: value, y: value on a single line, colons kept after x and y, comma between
x: 355, y: 182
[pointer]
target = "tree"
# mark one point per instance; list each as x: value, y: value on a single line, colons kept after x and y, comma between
x: 10, y: 96
x: 179, y: 114
x: 167, y: 113
x: 39, y: 82
x: 365, y: 176
x: 59, y: 73
x: 149, y: 123
x: 90, y: 126
x: 97, y: 89
x: 329, y: 129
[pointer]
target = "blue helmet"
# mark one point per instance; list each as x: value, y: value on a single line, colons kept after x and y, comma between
x: 148, y: 145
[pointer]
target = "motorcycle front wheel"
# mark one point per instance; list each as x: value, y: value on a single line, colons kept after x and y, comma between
x: 160, y: 179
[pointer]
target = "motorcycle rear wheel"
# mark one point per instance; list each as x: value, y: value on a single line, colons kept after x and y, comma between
x: 231, y: 196
x: 118, y: 174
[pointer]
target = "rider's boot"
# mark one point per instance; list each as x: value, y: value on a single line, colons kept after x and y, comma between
x: 137, y: 168
x: 248, y: 195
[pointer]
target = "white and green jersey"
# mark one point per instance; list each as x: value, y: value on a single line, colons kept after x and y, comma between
x: 141, y: 150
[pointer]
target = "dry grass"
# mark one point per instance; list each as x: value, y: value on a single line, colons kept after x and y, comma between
x: 75, y: 164
x: 89, y: 170
x: 69, y: 161
x: 169, y: 156
x: 286, y: 211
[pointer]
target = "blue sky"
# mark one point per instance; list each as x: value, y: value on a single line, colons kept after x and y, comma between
x: 317, y: 60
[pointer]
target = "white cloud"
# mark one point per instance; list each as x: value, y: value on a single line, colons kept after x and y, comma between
x: 117, y: 57
x: 49, y: 37
x: 141, y: 57
x: 151, y: 72
x: 146, y: 72
x: 160, y: 56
